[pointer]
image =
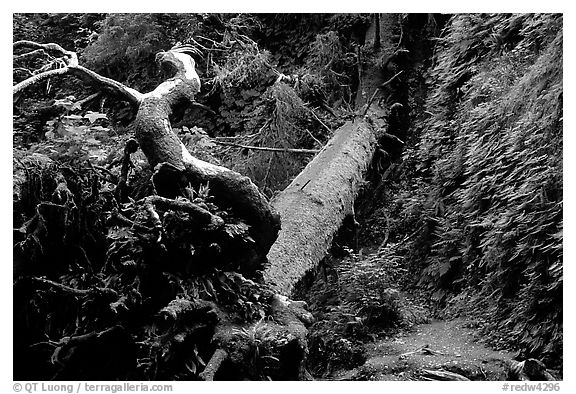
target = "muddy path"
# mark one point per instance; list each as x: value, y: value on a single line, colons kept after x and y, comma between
x: 373, y: 324
x: 436, y: 346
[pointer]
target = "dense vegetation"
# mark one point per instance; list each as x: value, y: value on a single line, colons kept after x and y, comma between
x: 469, y: 215
x: 483, y: 182
x: 94, y: 294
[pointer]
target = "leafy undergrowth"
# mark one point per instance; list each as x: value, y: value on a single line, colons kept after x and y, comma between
x: 481, y: 194
x: 112, y: 282
x: 356, y: 300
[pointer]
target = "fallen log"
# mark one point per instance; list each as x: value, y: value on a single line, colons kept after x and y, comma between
x: 315, y: 204
x: 313, y: 207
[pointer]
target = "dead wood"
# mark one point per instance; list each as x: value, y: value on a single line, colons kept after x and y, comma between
x: 312, y: 209
x: 161, y: 145
x: 268, y: 149
x: 423, y: 350
x: 442, y: 375
x: 182, y: 309
x: 98, y: 291
x: 314, y: 205
x: 213, y: 365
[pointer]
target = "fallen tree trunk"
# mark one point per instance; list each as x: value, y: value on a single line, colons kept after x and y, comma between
x: 314, y: 205
x: 312, y: 209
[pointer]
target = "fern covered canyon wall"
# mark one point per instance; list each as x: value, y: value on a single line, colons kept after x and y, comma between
x: 284, y: 196
x: 486, y: 174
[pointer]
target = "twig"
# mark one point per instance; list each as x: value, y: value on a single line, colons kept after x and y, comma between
x: 204, y: 107
x: 378, y: 88
x: 124, y: 220
x: 329, y: 110
x: 312, y: 136
x: 213, y: 365
x: 391, y: 79
x: 319, y: 121
x: 89, y: 98
x: 369, y: 103
x: 73, y: 291
x: 401, y: 32
x: 268, y: 149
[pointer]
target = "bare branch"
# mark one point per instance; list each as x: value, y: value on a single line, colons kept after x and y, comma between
x: 213, y: 365
x: 74, y: 291
x: 204, y: 107
x: 37, y: 78
x: 131, y: 95
x: 391, y: 79
x: 22, y: 70
x: 319, y: 121
x: 379, y: 87
x: 50, y: 47
x: 287, y: 150
x: 70, y: 65
x: 26, y: 55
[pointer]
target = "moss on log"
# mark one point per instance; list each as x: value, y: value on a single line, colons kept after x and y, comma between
x: 314, y: 205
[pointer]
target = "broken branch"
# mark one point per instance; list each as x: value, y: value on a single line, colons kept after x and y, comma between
x: 262, y: 148
x: 213, y: 365
x: 73, y: 291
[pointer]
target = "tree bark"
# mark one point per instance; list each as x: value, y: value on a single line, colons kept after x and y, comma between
x: 315, y: 204
x: 312, y: 207
x: 161, y: 145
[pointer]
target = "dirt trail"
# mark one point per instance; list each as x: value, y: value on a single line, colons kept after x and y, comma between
x: 439, y: 345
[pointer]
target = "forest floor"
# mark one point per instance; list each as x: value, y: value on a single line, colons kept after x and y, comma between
x: 439, y: 346
x: 406, y: 344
